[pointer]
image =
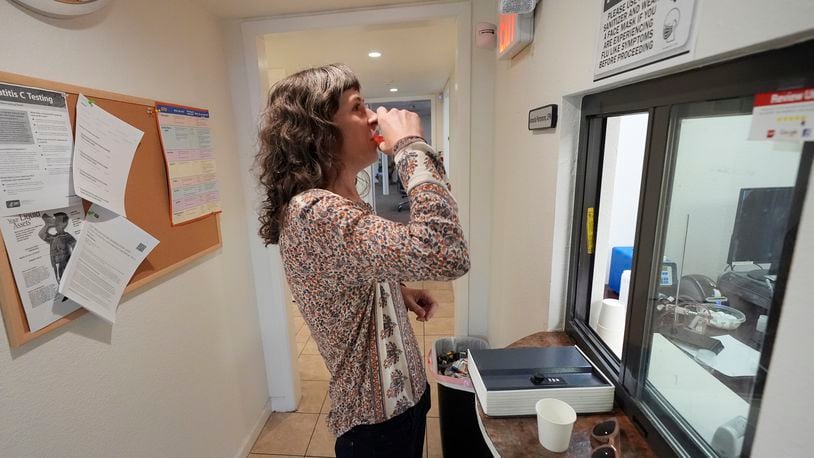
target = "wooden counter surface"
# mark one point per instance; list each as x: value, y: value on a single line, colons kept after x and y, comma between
x: 512, y: 437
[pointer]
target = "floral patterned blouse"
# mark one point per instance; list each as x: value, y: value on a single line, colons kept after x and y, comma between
x: 344, y: 264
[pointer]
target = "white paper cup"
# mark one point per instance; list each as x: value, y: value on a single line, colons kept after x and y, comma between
x: 612, y: 315
x: 555, y: 422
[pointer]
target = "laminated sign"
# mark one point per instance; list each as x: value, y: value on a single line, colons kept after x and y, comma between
x: 186, y: 137
x: 783, y: 115
x: 635, y: 33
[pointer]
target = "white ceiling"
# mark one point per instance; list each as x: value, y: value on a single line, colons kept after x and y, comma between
x: 417, y: 57
x: 262, y: 8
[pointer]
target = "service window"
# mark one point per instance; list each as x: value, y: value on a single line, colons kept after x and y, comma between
x: 684, y: 232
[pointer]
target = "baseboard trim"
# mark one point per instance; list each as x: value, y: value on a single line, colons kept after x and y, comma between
x: 248, y: 443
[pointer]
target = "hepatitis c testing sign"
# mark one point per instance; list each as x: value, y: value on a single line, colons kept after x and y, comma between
x: 783, y: 115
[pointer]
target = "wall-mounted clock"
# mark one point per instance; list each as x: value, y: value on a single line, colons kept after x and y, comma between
x: 63, y: 8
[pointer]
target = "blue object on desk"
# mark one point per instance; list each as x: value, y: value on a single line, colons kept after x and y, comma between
x: 621, y: 260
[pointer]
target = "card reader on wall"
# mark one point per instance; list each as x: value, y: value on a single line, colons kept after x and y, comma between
x: 510, y: 381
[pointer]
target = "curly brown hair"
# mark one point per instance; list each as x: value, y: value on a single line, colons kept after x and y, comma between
x: 299, y: 142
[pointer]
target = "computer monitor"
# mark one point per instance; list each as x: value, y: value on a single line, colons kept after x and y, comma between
x: 760, y: 225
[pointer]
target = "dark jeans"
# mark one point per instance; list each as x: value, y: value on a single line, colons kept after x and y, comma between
x: 400, y: 436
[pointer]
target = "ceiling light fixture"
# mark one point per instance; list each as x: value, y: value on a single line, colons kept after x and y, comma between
x: 374, y: 54
x: 394, y: 89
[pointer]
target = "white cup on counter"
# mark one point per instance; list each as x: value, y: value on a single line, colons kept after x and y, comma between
x: 611, y: 324
x: 555, y: 423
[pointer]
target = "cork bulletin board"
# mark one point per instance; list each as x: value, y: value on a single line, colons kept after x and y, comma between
x: 146, y: 200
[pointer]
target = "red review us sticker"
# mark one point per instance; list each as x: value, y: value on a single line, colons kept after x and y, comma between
x: 783, y: 115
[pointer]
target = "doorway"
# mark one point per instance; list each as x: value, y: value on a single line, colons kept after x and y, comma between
x: 279, y: 334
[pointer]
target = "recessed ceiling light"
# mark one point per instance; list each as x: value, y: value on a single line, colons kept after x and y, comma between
x: 394, y: 89
x: 374, y: 54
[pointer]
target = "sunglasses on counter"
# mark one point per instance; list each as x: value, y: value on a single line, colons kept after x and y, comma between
x: 605, y: 439
x: 605, y: 451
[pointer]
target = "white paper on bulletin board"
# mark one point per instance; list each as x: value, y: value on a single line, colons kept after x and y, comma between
x: 635, y: 33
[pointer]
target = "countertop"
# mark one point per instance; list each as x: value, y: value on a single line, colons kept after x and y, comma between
x: 517, y: 436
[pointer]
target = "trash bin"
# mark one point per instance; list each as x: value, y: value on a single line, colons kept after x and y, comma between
x: 460, y: 433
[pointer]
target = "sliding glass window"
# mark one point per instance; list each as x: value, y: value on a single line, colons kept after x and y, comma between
x: 683, y: 236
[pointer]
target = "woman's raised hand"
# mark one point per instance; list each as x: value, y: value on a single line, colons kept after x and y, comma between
x: 395, y: 125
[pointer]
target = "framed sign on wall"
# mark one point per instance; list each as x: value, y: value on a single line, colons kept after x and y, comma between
x: 635, y: 33
x: 544, y: 117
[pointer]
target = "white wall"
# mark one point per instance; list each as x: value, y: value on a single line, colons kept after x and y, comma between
x: 181, y: 373
x: 526, y: 165
x: 484, y: 154
x: 534, y: 172
x: 627, y: 179
x: 622, y: 163
x: 709, y: 174
x: 445, y: 127
x: 783, y: 428
x: 534, y: 177
x: 438, y: 122
x: 427, y: 127
x: 270, y: 289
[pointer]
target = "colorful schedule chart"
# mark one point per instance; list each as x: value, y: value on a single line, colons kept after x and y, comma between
x: 186, y: 137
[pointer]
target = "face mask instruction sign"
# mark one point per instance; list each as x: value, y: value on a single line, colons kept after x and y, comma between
x: 635, y: 33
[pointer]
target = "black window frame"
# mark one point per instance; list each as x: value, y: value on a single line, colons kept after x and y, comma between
x: 780, y: 69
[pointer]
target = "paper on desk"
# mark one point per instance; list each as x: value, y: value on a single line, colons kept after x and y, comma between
x: 697, y: 395
x: 738, y: 360
x: 105, y: 146
x: 109, y: 250
x: 35, y: 150
x: 735, y: 360
x: 39, y: 245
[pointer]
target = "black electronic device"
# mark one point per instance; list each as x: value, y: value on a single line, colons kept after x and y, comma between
x: 760, y: 226
x: 509, y: 381
x: 516, y: 368
x: 740, y: 287
x: 693, y: 339
x: 668, y: 279
x: 697, y: 288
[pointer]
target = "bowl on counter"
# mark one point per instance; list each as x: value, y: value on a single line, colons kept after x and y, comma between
x: 725, y: 317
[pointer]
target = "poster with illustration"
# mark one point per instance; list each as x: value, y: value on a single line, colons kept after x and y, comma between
x: 39, y: 245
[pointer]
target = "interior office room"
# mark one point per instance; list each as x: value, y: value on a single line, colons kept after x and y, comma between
x: 631, y: 179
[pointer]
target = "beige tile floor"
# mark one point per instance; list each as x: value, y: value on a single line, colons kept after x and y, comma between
x: 304, y: 433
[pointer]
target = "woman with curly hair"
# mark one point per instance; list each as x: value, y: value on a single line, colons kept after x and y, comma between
x: 345, y: 265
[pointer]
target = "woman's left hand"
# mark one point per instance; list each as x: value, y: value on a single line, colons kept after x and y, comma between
x: 420, y: 302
